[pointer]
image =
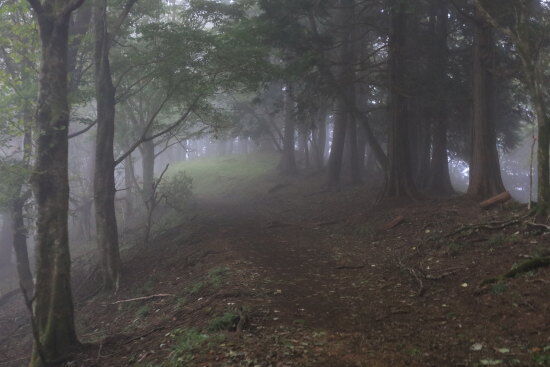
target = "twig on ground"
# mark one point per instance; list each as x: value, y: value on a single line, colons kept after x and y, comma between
x: 143, y: 298
x: 349, y: 267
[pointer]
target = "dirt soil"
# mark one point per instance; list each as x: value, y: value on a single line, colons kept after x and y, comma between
x: 302, y: 277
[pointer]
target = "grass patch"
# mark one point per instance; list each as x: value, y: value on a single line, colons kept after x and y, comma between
x: 223, y: 175
x: 216, y: 278
x: 186, y: 343
x: 499, y: 288
x: 227, y: 322
x: 497, y: 240
x: 143, y: 312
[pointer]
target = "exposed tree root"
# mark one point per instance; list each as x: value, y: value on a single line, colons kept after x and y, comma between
x: 416, y: 275
x: 525, y: 267
x: 492, y: 226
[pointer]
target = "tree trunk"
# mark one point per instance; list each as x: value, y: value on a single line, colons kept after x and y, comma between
x: 304, y: 146
x: 439, y: 181
x: 20, y: 248
x: 104, y: 175
x: 320, y: 141
x: 535, y: 79
x: 338, y: 143
x: 287, y: 164
x: 399, y: 181
x: 346, y: 95
x: 6, y: 237
x: 485, y: 176
x: 148, y: 167
x: 53, y: 310
x: 353, y: 155
x: 129, y: 181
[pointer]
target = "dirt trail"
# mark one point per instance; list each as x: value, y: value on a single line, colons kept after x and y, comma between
x: 322, y: 285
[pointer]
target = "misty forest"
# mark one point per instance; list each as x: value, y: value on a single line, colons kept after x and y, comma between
x: 274, y: 183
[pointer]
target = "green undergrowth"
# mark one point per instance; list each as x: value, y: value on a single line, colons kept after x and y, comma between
x: 224, y: 175
x: 217, y: 278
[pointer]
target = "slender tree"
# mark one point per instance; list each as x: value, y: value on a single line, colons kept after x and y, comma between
x: 104, y: 174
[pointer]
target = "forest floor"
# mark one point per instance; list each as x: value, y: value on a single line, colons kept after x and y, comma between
x: 280, y: 273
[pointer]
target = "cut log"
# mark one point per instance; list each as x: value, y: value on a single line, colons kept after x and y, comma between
x: 394, y: 223
x: 500, y: 198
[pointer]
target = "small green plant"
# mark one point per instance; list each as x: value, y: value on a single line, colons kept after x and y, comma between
x: 186, y: 341
x: 180, y: 302
x: 454, y: 248
x: 228, y: 321
x: 542, y: 358
x: 217, y: 276
x: 497, y: 240
x: 197, y: 287
x: 143, y: 312
x: 499, y: 288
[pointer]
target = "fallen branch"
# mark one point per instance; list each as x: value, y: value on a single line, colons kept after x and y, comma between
x: 349, y: 267
x: 143, y: 298
x: 500, y: 198
x: 525, y: 267
x: 539, y: 226
x: 394, y: 223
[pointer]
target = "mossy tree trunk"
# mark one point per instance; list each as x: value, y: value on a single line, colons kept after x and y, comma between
x: 53, y: 310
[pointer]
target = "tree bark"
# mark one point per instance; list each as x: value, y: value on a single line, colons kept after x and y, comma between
x: 345, y: 95
x: 147, y: 150
x: 485, y: 175
x: 399, y: 181
x: 129, y: 181
x: 6, y: 237
x: 320, y: 141
x: 338, y: 143
x: 104, y: 174
x: 287, y: 164
x: 53, y: 310
x: 439, y: 181
x: 353, y: 152
x: 26, y: 281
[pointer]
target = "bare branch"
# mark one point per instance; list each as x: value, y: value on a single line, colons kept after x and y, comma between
x: 86, y: 129
x: 144, y: 136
